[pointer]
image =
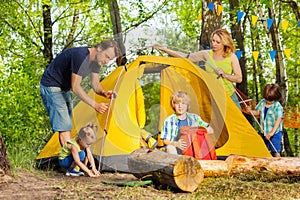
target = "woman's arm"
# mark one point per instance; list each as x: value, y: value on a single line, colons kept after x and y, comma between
x: 194, y: 57
x: 236, y: 77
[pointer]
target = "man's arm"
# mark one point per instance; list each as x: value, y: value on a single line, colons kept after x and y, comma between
x: 78, y: 90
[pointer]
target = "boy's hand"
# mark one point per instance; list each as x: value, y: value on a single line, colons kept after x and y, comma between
x: 181, y: 144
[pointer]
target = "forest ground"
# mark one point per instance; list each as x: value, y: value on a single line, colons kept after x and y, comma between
x: 44, y: 185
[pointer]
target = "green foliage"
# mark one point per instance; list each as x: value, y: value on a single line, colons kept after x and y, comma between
x: 151, y: 92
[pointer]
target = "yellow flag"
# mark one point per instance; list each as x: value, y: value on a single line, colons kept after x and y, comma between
x: 255, y: 55
x: 199, y: 17
x: 287, y: 53
x: 254, y: 19
x: 220, y: 9
x: 285, y: 24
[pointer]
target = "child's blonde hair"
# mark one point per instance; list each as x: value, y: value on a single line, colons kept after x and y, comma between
x: 182, y: 97
x: 88, y: 133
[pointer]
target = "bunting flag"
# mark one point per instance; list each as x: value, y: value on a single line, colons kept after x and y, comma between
x: 220, y: 9
x: 285, y: 24
x: 199, y: 17
x: 272, y: 54
x: 254, y: 19
x: 255, y: 55
x: 287, y: 53
x: 240, y: 15
x: 211, y: 6
x: 270, y: 22
x: 238, y: 53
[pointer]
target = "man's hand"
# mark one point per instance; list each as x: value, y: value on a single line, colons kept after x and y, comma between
x: 101, y: 107
x: 109, y: 94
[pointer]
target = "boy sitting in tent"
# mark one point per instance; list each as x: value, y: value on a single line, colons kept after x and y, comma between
x: 76, y: 152
x: 170, y: 133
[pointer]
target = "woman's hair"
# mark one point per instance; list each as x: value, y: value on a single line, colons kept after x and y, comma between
x: 226, y: 40
x: 88, y: 133
x: 272, y: 92
x: 108, y: 44
x: 180, y: 96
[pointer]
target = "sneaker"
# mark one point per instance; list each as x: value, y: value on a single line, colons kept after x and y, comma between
x: 74, y: 172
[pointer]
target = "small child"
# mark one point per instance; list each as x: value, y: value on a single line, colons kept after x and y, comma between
x: 271, y: 113
x: 76, y: 153
x: 180, y: 102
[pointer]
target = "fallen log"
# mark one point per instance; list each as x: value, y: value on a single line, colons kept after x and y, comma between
x: 276, y: 165
x: 176, y: 171
x: 214, y: 168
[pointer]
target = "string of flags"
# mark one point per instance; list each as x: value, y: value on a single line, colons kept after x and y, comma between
x: 240, y: 15
x: 254, y: 19
x: 287, y: 53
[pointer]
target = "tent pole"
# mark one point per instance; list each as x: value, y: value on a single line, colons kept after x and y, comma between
x: 106, y: 121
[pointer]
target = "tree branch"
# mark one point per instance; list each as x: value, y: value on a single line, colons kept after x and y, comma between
x: 147, y: 18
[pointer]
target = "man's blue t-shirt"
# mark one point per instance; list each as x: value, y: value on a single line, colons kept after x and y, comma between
x: 74, y: 60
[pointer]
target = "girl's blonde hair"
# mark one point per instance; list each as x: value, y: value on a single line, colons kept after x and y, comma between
x: 88, y: 133
x: 226, y: 40
x: 180, y: 96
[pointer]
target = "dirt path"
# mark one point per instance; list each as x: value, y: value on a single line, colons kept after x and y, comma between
x: 55, y: 185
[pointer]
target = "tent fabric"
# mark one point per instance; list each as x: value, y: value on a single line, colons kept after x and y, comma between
x: 121, y: 128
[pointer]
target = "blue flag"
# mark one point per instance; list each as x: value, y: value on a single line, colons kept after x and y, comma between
x: 238, y: 53
x: 272, y: 54
x: 239, y: 16
x: 270, y: 22
x: 211, y: 6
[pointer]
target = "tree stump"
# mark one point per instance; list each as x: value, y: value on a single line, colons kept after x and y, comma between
x: 176, y: 171
x: 4, y: 162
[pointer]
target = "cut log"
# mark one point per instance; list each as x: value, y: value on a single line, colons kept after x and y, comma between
x: 277, y: 165
x: 177, y: 171
x: 214, y: 168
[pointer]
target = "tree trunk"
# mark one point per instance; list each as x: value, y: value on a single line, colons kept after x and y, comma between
x: 281, y: 77
x: 4, y: 162
x: 286, y: 144
x: 238, y: 35
x: 47, y: 23
x: 210, y: 22
x: 176, y: 171
x: 70, y: 38
x: 117, y: 26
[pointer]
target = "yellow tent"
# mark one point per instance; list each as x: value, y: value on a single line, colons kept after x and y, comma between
x: 121, y: 128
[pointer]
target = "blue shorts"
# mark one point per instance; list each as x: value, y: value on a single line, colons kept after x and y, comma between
x: 66, y: 162
x: 59, y: 106
x: 274, y: 146
x: 236, y: 100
